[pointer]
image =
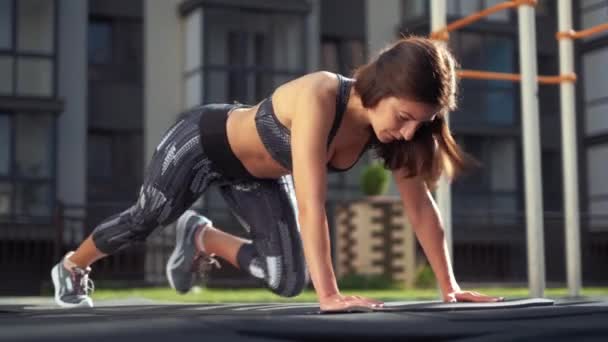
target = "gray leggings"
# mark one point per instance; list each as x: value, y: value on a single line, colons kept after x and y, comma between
x: 179, y: 173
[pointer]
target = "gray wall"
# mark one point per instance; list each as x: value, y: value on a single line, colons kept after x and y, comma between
x: 163, y: 69
x: 72, y: 61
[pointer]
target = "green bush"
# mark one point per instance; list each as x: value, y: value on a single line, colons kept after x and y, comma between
x: 374, y: 180
x: 366, y: 282
x: 425, y: 278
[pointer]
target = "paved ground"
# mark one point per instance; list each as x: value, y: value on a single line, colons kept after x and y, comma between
x: 35, y: 319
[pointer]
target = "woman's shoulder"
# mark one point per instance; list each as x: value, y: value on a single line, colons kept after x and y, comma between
x: 321, y: 83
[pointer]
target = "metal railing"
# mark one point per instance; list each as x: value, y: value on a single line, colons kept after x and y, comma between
x: 488, y: 247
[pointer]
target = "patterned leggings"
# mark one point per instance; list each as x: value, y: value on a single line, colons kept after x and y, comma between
x: 179, y: 173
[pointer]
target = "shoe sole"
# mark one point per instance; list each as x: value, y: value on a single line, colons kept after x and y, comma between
x: 55, y: 277
x: 179, y: 237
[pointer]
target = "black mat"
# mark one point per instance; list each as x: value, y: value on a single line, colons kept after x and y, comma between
x: 514, y: 320
x: 441, y: 306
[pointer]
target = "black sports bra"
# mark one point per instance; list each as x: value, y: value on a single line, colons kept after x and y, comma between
x: 276, y: 137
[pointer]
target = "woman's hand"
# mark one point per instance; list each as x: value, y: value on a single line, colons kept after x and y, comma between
x: 338, y: 302
x: 469, y: 296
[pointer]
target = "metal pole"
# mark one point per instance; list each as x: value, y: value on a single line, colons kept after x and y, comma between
x: 444, y: 191
x: 531, y: 147
x: 569, y: 145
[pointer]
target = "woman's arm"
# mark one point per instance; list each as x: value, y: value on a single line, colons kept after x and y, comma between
x: 311, y: 122
x: 314, y: 108
x: 423, y: 215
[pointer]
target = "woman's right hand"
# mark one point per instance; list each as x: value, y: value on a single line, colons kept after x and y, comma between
x: 339, y: 302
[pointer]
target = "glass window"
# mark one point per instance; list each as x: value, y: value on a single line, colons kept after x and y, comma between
x: 35, y: 76
x: 595, y: 74
x: 251, y: 52
x: 412, y: 9
x: 597, y: 164
x: 35, y: 32
x: 467, y: 7
x: 500, y: 15
x: 589, y: 3
x: 597, y: 187
x: 33, y: 199
x: 596, y: 115
x: 484, y: 101
x: 594, y: 14
x: 6, y: 70
x: 100, y: 42
x: 5, y: 143
x: 489, y: 191
x: 6, y: 24
x: 6, y: 196
x: 99, y: 157
x: 33, y: 150
x: 595, y: 91
x: 598, y: 207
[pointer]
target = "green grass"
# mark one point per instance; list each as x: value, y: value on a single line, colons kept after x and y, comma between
x: 204, y: 295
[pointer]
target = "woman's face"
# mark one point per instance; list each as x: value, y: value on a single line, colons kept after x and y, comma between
x: 398, y: 119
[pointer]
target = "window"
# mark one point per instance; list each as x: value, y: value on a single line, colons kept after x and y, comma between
x: 27, y: 155
x: 595, y: 91
x: 100, y: 41
x: 414, y: 9
x: 27, y: 47
x: 35, y: 31
x: 597, y: 164
x: 485, y: 101
x: 6, y: 24
x: 99, y: 158
x: 489, y: 194
x: 5, y: 143
x: 240, y: 55
x: 593, y: 13
x: 463, y: 8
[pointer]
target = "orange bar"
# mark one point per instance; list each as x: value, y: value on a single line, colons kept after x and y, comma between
x: 476, y: 16
x: 581, y: 34
x: 501, y: 76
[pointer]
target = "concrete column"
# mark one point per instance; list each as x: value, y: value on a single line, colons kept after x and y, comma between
x: 383, y: 19
x: 72, y: 83
x: 163, y: 101
x: 163, y: 60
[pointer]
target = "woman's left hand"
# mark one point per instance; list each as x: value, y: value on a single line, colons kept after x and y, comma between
x: 469, y: 296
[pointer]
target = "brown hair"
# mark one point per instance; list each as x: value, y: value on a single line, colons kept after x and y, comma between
x: 422, y: 70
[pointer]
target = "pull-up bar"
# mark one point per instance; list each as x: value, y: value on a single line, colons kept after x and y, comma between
x: 581, y: 34
x: 443, y: 34
x: 500, y: 76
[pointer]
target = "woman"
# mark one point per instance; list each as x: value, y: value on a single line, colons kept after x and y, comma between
x: 318, y: 123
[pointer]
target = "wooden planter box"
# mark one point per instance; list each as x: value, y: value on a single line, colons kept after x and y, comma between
x: 373, y: 237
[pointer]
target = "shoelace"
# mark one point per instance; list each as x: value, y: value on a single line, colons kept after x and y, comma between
x: 83, y: 285
x: 203, y: 263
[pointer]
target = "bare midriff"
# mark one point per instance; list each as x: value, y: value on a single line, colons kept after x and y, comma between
x: 246, y: 144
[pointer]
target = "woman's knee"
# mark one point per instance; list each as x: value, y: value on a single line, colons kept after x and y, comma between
x: 288, y: 281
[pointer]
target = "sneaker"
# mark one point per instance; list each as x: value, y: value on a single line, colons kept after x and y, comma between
x: 72, y: 287
x: 186, y: 261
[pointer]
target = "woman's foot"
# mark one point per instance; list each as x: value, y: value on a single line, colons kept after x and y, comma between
x: 188, y: 257
x: 72, y: 285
